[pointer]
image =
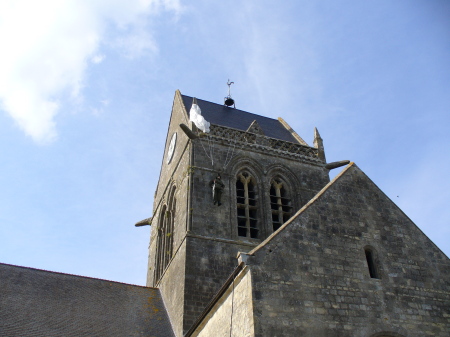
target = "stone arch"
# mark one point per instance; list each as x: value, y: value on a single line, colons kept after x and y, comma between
x: 240, y: 161
x: 172, y: 207
x: 172, y: 192
x: 282, y: 194
x: 247, y: 206
x: 283, y: 170
x: 286, y: 174
x: 160, y: 244
x: 166, y: 227
x: 280, y: 201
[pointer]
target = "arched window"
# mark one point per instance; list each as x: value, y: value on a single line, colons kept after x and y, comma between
x: 165, y: 235
x: 160, y: 245
x: 246, y: 199
x: 280, y: 203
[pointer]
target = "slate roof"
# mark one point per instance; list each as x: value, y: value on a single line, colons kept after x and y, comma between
x: 37, y: 303
x: 239, y: 119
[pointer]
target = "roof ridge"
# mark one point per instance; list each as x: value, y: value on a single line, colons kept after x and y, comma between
x: 301, y: 210
x: 292, y: 131
x: 251, y: 113
x: 75, y: 275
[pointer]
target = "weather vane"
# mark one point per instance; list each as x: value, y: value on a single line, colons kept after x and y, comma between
x: 228, y: 100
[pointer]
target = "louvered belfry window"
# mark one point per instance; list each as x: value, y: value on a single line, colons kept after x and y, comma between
x: 246, y: 198
x: 280, y: 203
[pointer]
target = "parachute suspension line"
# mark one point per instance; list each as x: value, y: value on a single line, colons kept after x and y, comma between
x: 210, y: 152
x: 227, y: 161
x: 211, y: 149
x: 206, y: 152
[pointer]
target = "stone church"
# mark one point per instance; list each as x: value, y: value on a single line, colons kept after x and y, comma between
x: 251, y: 238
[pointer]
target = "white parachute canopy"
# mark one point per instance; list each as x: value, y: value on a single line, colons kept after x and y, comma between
x: 196, y: 117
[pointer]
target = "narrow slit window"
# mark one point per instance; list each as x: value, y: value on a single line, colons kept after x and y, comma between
x: 371, y: 263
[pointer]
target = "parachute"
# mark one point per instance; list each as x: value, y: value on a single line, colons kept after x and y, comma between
x: 195, y: 115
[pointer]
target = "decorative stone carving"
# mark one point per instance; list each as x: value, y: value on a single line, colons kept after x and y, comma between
x: 255, y: 128
x: 245, y: 139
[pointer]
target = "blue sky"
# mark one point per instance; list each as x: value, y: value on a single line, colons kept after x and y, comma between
x: 86, y: 89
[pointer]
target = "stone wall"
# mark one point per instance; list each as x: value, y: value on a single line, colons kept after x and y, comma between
x: 212, y: 242
x: 311, y: 278
x: 178, y: 116
x: 172, y: 287
x: 232, y: 315
x: 304, y: 181
x: 209, y: 263
x: 209, y: 232
x: 179, y: 179
x: 173, y: 174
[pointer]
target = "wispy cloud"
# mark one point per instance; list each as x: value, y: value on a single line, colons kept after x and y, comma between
x: 136, y: 42
x: 280, y: 62
x: 99, y: 110
x: 47, y: 47
x: 98, y: 59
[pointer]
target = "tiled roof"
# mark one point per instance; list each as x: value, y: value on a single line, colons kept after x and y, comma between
x: 40, y: 303
x: 238, y: 119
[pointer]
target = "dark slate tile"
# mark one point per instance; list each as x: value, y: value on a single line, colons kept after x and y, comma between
x: 238, y: 119
x: 41, y: 303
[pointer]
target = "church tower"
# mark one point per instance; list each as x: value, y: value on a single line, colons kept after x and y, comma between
x: 268, y: 173
x: 271, y: 248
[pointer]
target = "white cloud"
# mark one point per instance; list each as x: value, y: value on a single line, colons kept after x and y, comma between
x: 98, y: 59
x: 98, y: 111
x: 280, y: 61
x: 136, y: 43
x: 46, y: 46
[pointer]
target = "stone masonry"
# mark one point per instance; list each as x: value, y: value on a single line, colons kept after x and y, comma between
x: 312, y: 277
x: 232, y: 315
x: 348, y: 262
x: 205, y: 236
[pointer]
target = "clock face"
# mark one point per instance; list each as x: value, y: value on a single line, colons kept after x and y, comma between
x: 171, y: 148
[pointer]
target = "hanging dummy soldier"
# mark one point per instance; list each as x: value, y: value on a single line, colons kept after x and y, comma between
x: 217, y: 188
